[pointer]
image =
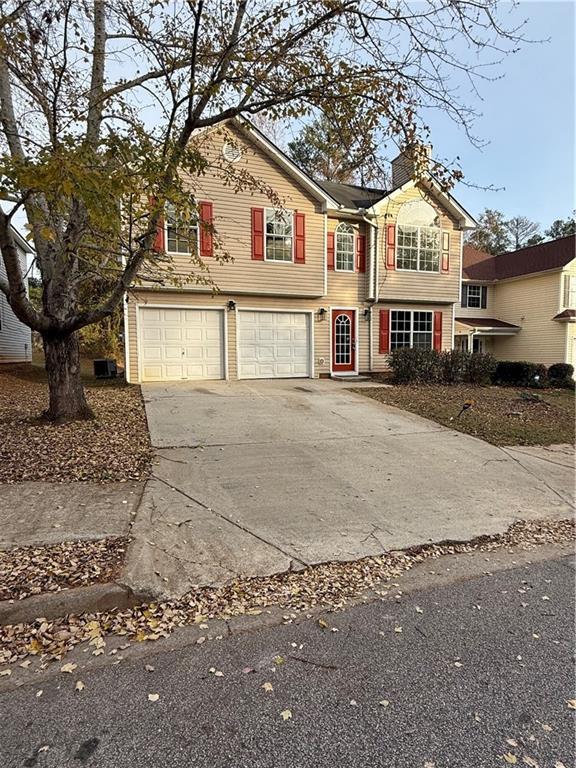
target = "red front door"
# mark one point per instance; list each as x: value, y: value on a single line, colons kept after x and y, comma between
x: 343, y: 340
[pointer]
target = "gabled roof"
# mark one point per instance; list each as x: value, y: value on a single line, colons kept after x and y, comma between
x: 285, y: 162
x: 352, y: 195
x: 349, y: 196
x: 434, y: 188
x: 544, y: 257
x: 23, y: 244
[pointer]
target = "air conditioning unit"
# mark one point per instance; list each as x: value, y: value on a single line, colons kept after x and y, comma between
x: 105, y: 369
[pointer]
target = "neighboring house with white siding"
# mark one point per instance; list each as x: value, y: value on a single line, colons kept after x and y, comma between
x: 520, y: 305
x: 327, y: 285
x: 15, y: 337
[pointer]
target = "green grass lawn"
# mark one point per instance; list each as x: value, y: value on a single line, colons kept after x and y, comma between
x: 499, y: 415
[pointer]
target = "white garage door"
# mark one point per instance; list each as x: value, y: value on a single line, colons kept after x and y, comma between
x: 273, y: 345
x: 180, y: 344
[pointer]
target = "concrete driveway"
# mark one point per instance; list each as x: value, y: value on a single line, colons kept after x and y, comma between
x: 254, y: 478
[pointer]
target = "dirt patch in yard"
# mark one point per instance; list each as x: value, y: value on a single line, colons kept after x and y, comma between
x: 114, y: 447
x: 500, y: 415
x: 26, y: 571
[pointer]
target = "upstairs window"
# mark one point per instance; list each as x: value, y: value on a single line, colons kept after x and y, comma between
x: 570, y: 291
x: 344, y: 248
x: 474, y: 296
x: 279, y: 235
x: 418, y: 237
x: 181, y: 236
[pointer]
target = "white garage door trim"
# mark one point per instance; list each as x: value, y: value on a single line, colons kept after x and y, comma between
x: 310, y: 320
x: 203, y: 308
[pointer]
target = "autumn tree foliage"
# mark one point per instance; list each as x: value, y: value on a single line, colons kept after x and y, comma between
x: 100, y: 103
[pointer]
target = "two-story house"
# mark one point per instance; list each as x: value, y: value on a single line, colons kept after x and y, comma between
x: 520, y: 305
x: 15, y: 337
x: 326, y: 284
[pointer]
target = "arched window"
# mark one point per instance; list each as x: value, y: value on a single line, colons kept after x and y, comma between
x: 344, y: 248
x: 418, y: 237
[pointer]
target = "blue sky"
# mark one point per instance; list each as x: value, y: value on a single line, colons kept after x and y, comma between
x: 528, y: 121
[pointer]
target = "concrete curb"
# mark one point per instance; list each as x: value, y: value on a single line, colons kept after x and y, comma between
x: 53, y: 605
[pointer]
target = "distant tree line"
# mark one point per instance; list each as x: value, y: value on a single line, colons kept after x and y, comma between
x: 497, y: 234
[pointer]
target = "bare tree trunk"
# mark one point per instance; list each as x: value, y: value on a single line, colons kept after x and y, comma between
x: 67, y: 398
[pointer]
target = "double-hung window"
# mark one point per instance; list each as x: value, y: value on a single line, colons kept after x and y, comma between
x: 344, y: 248
x: 418, y: 248
x: 411, y: 329
x: 474, y: 296
x: 569, y: 291
x: 279, y: 235
x: 181, y: 236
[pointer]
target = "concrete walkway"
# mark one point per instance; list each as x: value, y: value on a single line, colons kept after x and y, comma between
x: 254, y: 478
x: 48, y: 513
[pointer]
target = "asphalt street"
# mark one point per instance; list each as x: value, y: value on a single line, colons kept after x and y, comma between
x: 474, y: 673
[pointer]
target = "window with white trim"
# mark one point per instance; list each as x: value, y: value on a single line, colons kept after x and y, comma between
x: 418, y: 248
x: 474, y: 296
x: 570, y: 292
x: 279, y: 240
x: 418, y: 237
x: 411, y: 329
x: 181, y: 235
x: 344, y: 248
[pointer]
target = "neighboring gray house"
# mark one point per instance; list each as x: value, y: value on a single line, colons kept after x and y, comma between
x: 15, y: 337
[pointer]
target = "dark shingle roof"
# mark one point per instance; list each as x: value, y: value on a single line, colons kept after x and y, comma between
x: 351, y: 195
x: 484, y: 322
x: 567, y: 314
x: 554, y: 254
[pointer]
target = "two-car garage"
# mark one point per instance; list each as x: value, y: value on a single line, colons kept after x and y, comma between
x: 177, y: 343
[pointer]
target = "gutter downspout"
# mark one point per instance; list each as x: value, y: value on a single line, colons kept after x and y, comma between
x: 371, y: 297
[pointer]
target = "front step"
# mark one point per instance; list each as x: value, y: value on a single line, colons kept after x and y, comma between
x: 353, y: 378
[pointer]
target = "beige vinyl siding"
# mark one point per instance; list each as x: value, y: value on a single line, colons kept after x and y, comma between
x: 320, y: 327
x: 531, y: 303
x: 348, y: 288
x: 15, y: 337
x: 398, y: 285
x: 233, y: 223
x: 380, y: 362
x: 476, y: 311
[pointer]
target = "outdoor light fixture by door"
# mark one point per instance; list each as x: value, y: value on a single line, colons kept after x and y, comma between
x: 231, y: 305
x: 321, y: 313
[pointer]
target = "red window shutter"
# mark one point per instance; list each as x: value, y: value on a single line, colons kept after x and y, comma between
x: 445, y: 252
x: 330, y: 250
x: 159, y: 244
x: 258, y: 234
x: 391, y: 246
x: 361, y: 253
x: 206, y: 220
x: 384, y: 346
x: 438, y: 331
x: 299, y: 238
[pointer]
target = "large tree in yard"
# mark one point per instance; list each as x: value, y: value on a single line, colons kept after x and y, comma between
x: 100, y: 103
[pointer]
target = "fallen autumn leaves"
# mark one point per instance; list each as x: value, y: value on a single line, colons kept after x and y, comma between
x: 331, y: 585
x: 114, y: 447
x: 26, y: 571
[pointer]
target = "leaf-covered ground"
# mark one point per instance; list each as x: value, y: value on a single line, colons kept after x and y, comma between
x: 500, y: 415
x: 331, y: 585
x: 114, y: 447
x: 26, y: 571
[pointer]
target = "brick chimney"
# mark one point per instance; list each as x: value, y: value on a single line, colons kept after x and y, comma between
x: 404, y: 166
